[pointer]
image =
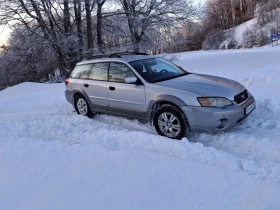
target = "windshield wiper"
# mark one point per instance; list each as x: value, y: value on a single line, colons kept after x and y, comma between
x: 169, y: 78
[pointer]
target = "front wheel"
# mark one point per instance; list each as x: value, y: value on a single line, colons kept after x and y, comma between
x: 82, y: 107
x: 171, y: 122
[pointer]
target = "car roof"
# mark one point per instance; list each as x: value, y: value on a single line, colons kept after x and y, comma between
x: 124, y: 58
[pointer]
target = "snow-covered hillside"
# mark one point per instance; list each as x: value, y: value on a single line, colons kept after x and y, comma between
x: 51, y: 158
x: 255, y: 28
x: 240, y: 29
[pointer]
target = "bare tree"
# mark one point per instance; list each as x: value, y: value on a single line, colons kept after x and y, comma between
x: 25, y: 59
x: 67, y: 31
x: 142, y: 15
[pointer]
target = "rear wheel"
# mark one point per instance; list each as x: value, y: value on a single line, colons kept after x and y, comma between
x: 171, y: 122
x: 82, y: 107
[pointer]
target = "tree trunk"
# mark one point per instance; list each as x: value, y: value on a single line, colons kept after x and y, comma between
x: 136, y: 45
x: 99, y: 27
x: 89, y: 25
x: 135, y: 38
x: 68, y: 31
x: 78, y: 18
x: 8, y: 84
x: 66, y: 18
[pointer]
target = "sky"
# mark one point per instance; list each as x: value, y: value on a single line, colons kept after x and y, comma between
x: 197, y: 1
x: 4, y: 34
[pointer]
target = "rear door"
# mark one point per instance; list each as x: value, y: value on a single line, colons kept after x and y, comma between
x: 78, y: 75
x: 96, y: 86
x: 123, y: 98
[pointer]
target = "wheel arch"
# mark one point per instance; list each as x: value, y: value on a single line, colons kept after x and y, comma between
x: 77, y: 92
x: 164, y: 99
x: 82, y: 93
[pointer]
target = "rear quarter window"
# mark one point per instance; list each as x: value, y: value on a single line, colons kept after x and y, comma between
x: 81, y: 72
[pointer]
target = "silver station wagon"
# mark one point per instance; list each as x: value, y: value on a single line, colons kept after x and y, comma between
x: 151, y: 89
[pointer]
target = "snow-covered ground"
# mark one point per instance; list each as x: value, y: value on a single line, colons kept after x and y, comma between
x: 51, y: 158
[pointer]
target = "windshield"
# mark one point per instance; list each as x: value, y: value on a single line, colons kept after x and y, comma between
x: 157, y: 69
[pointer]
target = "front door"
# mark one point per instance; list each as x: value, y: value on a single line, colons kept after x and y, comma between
x: 123, y: 98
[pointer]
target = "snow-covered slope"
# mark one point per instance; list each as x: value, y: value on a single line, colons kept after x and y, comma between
x: 240, y: 29
x: 51, y: 158
x: 256, y: 29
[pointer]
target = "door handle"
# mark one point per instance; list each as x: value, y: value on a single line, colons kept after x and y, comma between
x: 86, y: 85
x: 112, y: 88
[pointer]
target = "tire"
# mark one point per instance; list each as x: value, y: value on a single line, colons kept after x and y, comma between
x: 171, y: 122
x: 82, y: 107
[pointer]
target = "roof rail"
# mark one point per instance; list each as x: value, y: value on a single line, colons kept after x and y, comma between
x: 115, y: 55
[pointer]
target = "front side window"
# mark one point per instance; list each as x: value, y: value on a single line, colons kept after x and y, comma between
x: 81, y: 72
x: 156, y: 69
x: 119, y: 71
x: 99, y: 72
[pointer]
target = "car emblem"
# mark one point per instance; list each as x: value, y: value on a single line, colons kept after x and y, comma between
x: 242, y: 96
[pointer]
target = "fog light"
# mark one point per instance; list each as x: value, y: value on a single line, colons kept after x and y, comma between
x: 218, y: 123
x: 222, y: 123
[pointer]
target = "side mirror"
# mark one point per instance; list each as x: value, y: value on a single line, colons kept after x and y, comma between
x: 130, y: 80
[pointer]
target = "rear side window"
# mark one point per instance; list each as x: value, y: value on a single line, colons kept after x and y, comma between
x: 99, y: 72
x: 119, y: 71
x: 81, y: 72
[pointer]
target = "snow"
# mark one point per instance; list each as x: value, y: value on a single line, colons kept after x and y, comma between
x: 240, y: 29
x: 51, y: 158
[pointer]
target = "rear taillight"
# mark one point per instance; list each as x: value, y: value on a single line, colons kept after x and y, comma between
x: 66, y: 81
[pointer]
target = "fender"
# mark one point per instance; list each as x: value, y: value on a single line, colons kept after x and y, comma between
x: 164, y: 98
x: 84, y: 94
x: 81, y: 92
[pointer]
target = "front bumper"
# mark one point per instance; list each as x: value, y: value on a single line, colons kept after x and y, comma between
x: 213, y: 119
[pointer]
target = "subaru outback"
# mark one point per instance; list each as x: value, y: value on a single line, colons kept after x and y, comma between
x: 151, y: 89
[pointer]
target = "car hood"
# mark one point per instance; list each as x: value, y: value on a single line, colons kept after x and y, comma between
x: 206, y: 85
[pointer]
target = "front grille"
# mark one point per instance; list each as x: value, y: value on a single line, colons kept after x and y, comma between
x: 241, y: 97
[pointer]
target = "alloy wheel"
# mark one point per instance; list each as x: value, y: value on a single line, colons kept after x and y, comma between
x: 169, y: 124
x: 82, y: 106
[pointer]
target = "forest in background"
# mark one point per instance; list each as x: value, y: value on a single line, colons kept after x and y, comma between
x: 50, y: 36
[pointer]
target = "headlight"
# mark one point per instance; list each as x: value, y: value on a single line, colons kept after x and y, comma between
x: 217, y: 102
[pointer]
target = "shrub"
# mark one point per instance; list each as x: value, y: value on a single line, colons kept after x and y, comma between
x: 214, y: 39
